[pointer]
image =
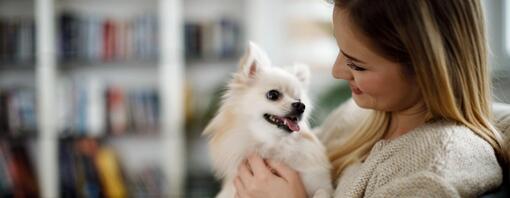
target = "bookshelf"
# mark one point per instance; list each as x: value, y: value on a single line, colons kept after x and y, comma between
x: 81, y: 64
x: 163, y: 59
x: 151, y: 62
x: 18, y: 109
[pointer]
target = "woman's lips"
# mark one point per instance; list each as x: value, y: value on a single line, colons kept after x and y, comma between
x: 356, y: 90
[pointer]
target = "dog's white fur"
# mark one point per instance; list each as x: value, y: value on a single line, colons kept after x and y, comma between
x: 239, y: 127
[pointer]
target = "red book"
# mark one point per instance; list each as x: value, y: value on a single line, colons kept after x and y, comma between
x: 108, y: 40
x: 21, y: 172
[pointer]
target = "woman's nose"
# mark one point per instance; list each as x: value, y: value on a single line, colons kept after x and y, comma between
x: 340, y: 69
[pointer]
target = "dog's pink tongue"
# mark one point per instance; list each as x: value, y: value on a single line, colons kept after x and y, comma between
x: 293, y: 126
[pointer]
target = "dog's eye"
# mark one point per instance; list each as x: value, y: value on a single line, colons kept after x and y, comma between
x: 273, y: 95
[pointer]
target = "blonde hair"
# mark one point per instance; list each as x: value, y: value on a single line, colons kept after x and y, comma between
x: 441, y: 44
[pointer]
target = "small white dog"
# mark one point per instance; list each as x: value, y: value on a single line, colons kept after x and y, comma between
x: 264, y: 110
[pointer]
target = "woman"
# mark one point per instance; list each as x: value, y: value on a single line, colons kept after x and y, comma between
x: 419, y: 68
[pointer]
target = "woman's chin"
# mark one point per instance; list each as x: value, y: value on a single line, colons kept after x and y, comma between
x: 362, y: 102
x: 359, y: 101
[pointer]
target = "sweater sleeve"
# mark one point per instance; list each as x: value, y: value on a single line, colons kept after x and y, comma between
x: 422, y: 184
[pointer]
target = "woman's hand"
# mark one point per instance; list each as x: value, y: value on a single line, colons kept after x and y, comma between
x: 255, y: 178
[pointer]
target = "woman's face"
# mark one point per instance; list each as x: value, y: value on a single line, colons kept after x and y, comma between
x: 376, y: 83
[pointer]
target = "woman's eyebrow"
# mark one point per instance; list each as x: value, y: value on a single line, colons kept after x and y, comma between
x: 351, y: 57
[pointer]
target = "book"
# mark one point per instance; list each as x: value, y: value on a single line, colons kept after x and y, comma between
x: 22, y: 173
x: 109, y: 173
x: 212, y: 40
x: 93, y: 109
x: 17, y: 112
x: 100, y: 39
x: 67, y: 172
x: 117, y: 112
x: 6, y: 184
x: 96, y: 109
x: 18, y: 177
x: 109, y: 40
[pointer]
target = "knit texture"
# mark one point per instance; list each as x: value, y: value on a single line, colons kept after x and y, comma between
x: 439, y: 159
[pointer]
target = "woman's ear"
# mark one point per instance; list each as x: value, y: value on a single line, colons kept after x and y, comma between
x: 253, y: 61
x: 302, y: 72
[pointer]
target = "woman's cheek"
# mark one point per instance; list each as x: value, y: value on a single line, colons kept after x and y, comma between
x: 371, y: 84
x: 363, y: 83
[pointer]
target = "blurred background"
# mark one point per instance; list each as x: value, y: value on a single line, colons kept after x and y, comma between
x: 108, y: 98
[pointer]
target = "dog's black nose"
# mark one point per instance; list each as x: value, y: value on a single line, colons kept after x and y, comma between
x: 299, y: 107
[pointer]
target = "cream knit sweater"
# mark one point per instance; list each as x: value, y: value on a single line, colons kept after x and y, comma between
x: 439, y: 159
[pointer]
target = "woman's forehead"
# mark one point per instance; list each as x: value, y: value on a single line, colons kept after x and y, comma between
x: 352, y: 41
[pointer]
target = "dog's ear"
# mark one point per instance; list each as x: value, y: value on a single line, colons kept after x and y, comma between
x: 302, y: 72
x: 254, y: 60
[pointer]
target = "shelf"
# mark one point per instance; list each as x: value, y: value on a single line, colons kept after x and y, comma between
x: 153, y: 134
x: 124, y: 68
x: 220, y: 31
x: 22, y: 67
x: 26, y: 135
x: 103, y: 8
x: 111, y: 64
x: 16, y: 8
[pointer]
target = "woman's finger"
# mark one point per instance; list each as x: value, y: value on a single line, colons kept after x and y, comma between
x: 244, y: 174
x: 257, y: 165
x: 240, y: 189
x: 282, y: 170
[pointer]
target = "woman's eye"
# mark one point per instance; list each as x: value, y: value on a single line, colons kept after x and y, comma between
x: 273, y: 95
x: 353, y: 66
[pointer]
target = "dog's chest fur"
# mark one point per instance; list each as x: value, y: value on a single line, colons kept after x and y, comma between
x: 295, y: 150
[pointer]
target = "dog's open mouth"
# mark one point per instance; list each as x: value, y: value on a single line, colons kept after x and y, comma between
x: 288, y: 123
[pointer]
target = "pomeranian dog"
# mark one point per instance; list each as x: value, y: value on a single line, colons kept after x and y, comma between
x: 264, y: 111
